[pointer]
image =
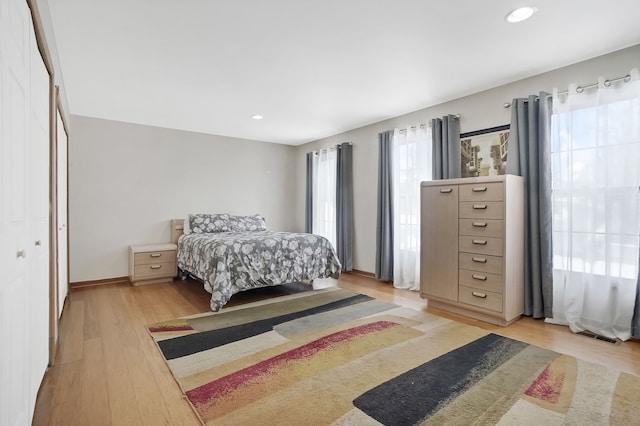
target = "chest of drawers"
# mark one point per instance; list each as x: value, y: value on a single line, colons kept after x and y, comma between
x: 152, y: 263
x: 472, y: 247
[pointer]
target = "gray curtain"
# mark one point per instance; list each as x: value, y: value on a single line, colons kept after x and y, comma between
x: 384, y: 229
x: 344, y: 206
x: 446, y: 147
x: 529, y: 155
x: 635, y: 322
x: 308, y: 205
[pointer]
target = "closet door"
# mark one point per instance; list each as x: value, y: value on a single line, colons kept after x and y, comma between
x: 15, y: 231
x: 24, y: 215
x: 38, y: 243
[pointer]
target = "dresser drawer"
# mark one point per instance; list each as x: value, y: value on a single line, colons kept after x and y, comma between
x: 481, y: 298
x: 155, y: 270
x: 481, y: 210
x: 482, y: 227
x: 481, y: 280
x: 149, y: 257
x: 491, y: 191
x: 481, y: 263
x: 481, y: 245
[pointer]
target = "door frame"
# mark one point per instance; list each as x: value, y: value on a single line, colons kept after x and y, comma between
x: 53, y: 226
x: 43, y: 47
x: 65, y: 220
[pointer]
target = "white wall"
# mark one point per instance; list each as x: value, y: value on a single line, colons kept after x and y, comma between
x: 479, y: 111
x: 126, y: 181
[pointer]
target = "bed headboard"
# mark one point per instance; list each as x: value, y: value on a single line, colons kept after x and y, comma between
x: 177, y: 228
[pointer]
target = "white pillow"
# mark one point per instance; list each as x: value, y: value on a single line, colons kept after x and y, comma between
x: 185, y: 228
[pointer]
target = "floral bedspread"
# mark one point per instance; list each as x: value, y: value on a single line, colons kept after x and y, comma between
x: 230, y: 262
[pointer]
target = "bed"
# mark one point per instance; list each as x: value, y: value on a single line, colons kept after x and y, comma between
x: 230, y: 254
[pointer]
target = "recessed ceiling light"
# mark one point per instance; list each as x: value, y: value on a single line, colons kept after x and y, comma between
x: 520, y: 14
x: 257, y: 117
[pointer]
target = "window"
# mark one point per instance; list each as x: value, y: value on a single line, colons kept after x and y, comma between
x: 595, y: 149
x: 411, y: 165
x: 324, y: 193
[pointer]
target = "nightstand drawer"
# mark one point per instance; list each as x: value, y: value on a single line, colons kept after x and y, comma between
x: 488, y: 191
x: 155, y: 270
x: 150, y: 257
x: 152, y: 263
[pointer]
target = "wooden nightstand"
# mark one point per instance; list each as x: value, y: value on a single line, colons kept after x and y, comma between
x: 152, y: 263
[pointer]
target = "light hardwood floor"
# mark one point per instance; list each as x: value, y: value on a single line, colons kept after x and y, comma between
x: 108, y: 370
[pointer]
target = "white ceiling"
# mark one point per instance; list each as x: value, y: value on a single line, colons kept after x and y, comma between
x: 312, y: 68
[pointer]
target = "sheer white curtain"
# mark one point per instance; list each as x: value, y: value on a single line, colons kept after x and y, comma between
x: 595, y: 150
x: 411, y: 165
x: 324, y: 193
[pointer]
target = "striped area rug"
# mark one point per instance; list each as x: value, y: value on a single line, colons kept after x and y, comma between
x: 331, y: 357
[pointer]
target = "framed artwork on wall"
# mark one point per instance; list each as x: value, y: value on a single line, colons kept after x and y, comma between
x: 484, y: 152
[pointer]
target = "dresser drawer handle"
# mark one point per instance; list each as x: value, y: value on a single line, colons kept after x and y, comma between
x: 446, y: 190
x: 479, y: 277
x: 480, y: 242
x: 155, y: 266
x: 479, y: 189
x: 479, y: 259
x: 480, y: 295
x: 480, y: 224
x: 155, y: 254
x: 479, y: 206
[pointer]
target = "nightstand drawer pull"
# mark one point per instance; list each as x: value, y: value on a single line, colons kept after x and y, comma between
x: 155, y: 266
x: 155, y: 254
x: 480, y: 242
x: 480, y: 295
x: 480, y: 224
x: 479, y: 277
x: 446, y: 190
x: 479, y: 206
x: 479, y: 259
x: 479, y: 189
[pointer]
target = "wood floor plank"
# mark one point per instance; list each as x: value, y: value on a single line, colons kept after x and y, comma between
x: 94, y: 405
x: 114, y: 330
x: 91, y: 325
x: 66, y: 386
x: 109, y: 368
x: 194, y: 293
x: 181, y: 307
x: 168, y: 390
x: 122, y: 400
x: 176, y: 404
x: 155, y: 307
x: 150, y: 406
x: 72, y: 342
